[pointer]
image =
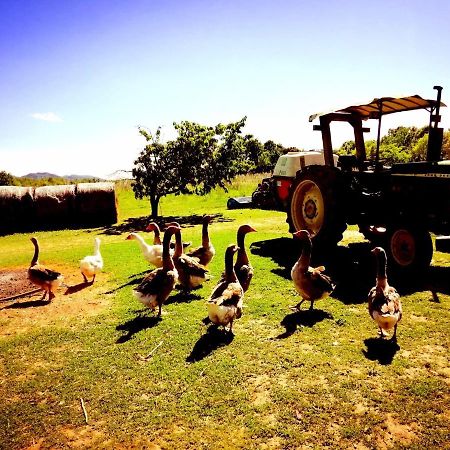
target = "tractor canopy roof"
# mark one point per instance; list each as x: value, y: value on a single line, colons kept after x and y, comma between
x: 385, y: 105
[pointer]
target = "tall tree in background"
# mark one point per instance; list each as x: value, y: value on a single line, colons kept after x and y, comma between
x: 154, y: 171
x: 6, y: 179
x: 200, y: 159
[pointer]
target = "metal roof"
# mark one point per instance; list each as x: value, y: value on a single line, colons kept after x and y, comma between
x: 385, y: 105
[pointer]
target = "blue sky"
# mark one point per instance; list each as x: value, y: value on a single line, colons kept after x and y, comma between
x: 78, y: 77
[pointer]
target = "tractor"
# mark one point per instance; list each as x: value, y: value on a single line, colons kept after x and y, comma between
x: 394, y: 206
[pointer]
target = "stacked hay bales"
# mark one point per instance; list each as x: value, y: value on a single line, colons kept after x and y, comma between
x: 96, y: 203
x: 16, y: 207
x: 54, y: 206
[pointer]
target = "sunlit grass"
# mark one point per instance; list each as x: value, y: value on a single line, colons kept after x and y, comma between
x: 281, y: 382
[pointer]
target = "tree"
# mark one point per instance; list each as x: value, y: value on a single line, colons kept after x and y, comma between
x: 6, y: 179
x: 154, y: 171
x: 201, y: 158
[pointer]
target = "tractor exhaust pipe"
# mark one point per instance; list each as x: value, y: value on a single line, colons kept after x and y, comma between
x: 435, y: 134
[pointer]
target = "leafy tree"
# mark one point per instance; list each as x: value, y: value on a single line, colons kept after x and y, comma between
x: 6, y: 179
x: 347, y: 148
x: 201, y: 158
x: 154, y: 171
x: 419, y: 151
x: 446, y: 145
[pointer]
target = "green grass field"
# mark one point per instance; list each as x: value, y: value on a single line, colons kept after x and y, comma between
x: 74, y: 373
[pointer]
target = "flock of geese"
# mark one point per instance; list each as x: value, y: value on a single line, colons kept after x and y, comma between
x: 188, y: 270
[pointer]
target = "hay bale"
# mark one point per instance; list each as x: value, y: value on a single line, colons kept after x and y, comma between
x: 96, y: 203
x: 54, y: 205
x: 16, y: 208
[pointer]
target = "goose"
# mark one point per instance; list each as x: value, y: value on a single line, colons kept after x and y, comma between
x: 226, y: 300
x: 156, y: 287
x: 152, y: 253
x: 153, y: 226
x: 205, y: 253
x: 242, y: 267
x: 191, y: 273
x: 385, y: 307
x: 46, y: 279
x: 91, y: 265
x: 310, y: 283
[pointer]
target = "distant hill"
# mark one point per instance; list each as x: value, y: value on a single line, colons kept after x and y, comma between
x: 40, y: 175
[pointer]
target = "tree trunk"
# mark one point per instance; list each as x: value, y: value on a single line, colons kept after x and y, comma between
x: 154, y: 202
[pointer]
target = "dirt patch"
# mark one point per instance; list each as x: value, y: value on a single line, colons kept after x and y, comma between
x: 396, y: 433
x: 14, y: 282
x: 74, y: 302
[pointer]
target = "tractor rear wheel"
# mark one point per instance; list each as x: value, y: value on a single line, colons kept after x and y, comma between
x: 409, y: 249
x: 314, y: 205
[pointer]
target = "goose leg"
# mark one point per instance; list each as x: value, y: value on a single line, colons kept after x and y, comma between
x: 297, y: 306
x: 159, y: 310
x: 311, y: 306
x: 51, y: 296
x: 85, y: 279
x: 93, y: 279
x: 394, y: 336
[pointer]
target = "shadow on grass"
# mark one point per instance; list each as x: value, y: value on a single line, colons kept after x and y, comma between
x: 132, y: 282
x: 381, y: 350
x: 209, y: 342
x: 183, y: 297
x: 136, y: 325
x: 140, y: 223
x: 27, y: 304
x: 353, y: 269
x: 302, y: 318
x: 77, y: 287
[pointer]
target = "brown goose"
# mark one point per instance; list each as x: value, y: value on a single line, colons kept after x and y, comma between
x: 191, y: 273
x: 156, y: 287
x: 44, y: 278
x: 205, y: 253
x: 153, y: 226
x: 226, y: 300
x: 310, y: 283
x: 385, y: 307
x: 242, y: 267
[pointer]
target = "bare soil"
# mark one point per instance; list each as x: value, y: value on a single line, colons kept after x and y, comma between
x: 14, y: 282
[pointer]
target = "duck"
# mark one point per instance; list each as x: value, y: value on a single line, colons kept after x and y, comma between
x: 156, y: 287
x: 242, y: 267
x: 226, y: 300
x: 152, y: 253
x: 310, y: 282
x: 205, y: 253
x: 91, y: 265
x: 46, y: 279
x: 385, y: 306
x: 191, y: 274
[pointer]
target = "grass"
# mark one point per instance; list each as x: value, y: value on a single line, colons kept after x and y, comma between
x: 284, y: 380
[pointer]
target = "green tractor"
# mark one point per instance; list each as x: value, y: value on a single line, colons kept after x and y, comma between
x: 395, y: 206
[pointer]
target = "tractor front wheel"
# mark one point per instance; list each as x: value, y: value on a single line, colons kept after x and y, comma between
x: 314, y: 205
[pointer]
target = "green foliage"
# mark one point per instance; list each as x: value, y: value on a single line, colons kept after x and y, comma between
x: 347, y: 148
x: 6, y: 179
x: 419, y: 151
x: 401, y: 144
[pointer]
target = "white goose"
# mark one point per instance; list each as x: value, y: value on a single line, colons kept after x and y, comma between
x: 91, y: 265
x: 152, y: 253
